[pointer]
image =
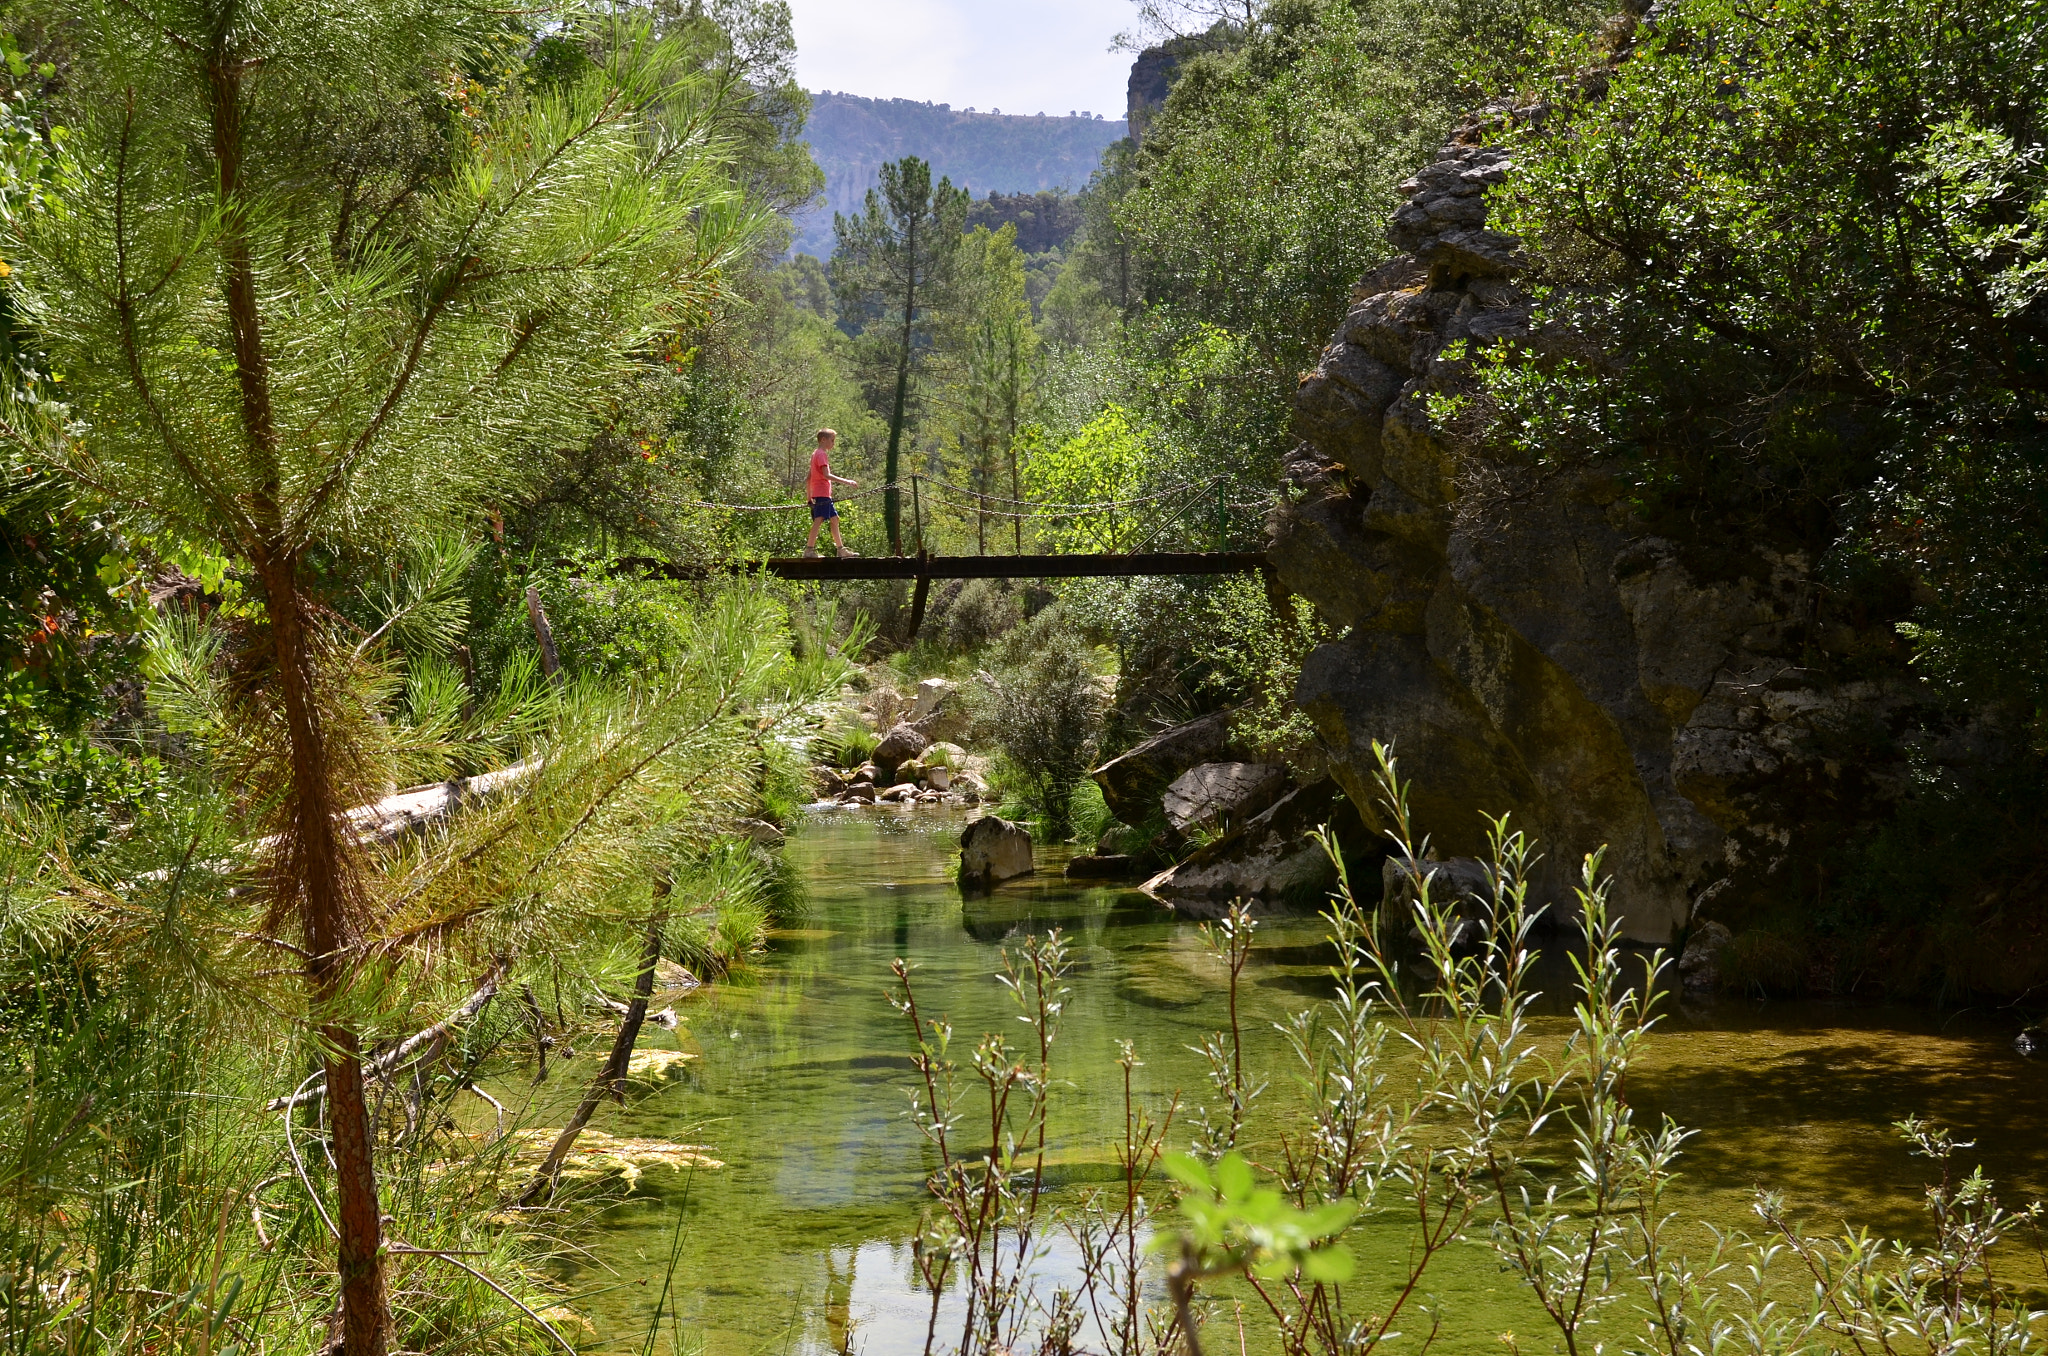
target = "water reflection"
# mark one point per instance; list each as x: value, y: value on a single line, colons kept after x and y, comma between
x: 800, y: 1244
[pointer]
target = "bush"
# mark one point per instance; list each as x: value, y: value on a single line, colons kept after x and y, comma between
x: 1045, y: 713
x: 981, y: 611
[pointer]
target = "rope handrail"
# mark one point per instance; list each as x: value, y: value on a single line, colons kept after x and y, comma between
x: 979, y: 497
x: 1036, y: 509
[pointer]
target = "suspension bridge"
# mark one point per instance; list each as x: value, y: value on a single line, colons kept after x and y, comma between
x: 1129, y: 529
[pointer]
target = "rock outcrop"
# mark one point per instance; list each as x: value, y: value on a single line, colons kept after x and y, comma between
x: 1529, y: 645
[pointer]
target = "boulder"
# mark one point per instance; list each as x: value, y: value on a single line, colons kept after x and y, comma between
x: 826, y: 783
x: 866, y: 772
x: 949, y: 722
x: 902, y: 791
x: 1454, y: 881
x: 1133, y: 781
x: 938, y: 777
x: 1272, y: 862
x: 993, y: 849
x: 902, y: 742
x: 945, y: 754
x: 1222, y: 795
x: 760, y: 833
x: 860, y: 793
x: 1699, y: 968
x: 931, y: 694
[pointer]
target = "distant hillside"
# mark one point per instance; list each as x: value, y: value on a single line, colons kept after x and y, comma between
x: 990, y: 152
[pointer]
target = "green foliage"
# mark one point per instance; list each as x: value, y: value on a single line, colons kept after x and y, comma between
x: 1819, y: 305
x: 1255, y: 654
x: 893, y: 274
x: 987, y: 372
x: 1105, y: 462
x: 1044, y: 221
x: 1232, y: 1225
x: 850, y: 743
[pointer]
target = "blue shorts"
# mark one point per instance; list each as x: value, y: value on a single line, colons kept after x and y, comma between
x: 822, y: 507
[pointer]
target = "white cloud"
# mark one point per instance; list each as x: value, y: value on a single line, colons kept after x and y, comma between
x: 1021, y: 56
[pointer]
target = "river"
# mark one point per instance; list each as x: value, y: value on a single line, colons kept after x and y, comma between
x: 799, y: 1244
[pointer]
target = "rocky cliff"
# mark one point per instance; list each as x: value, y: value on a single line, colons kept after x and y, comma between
x: 1530, y: 645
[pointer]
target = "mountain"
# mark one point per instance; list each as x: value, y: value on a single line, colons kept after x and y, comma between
x: 852, y: 138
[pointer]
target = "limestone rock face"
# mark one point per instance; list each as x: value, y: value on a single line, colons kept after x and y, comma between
x: 1216, y: 795
x: 1529, y: 645
x: 1133, y: 782
x: 992, y: 850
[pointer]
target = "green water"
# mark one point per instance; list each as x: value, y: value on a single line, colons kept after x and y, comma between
x: 798, y: 1244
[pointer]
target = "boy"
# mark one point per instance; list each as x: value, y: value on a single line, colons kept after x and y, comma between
x: 822, y: 480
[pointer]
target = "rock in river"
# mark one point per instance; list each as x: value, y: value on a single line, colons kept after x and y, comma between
x: 993, y: 849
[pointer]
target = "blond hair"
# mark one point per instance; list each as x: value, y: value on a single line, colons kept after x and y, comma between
x: 827, y: 435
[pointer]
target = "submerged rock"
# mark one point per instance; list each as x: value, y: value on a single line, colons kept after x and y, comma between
x: 993, y: 849
x: 657, y: 1066
x: 599, y: 1155
x: 1104, y: 866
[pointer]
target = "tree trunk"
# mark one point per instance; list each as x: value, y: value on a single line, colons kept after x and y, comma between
x: 313, y: 871
x: 892, y: 498
x: 611, y: 1079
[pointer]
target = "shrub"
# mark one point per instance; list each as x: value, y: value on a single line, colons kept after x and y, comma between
x: 1045, y: 713
x: 980, y: 612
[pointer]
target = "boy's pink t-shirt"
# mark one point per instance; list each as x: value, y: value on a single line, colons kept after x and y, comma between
x: 821, y: 478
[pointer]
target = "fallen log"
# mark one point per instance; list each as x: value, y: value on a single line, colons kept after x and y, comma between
x: 382, y: 1065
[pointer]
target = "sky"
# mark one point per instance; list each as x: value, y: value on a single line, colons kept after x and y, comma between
x: 1017, y: 56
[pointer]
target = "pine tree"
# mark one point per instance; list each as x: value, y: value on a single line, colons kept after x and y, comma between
x: 892, y: 269
x: 316, y: 294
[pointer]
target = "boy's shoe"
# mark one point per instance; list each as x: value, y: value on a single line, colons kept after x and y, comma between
x: 810, y: 553
x: 845, y: 554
